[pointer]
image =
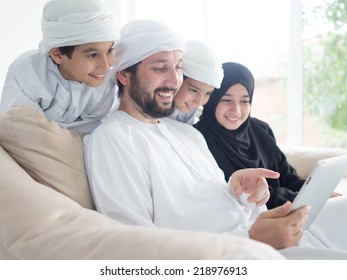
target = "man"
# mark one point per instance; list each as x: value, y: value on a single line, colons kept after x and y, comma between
x: 69, y: 77
x: 148, y: 170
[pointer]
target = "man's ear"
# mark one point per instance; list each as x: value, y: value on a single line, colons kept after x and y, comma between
x: 123, y: 77
x: 56, y: 55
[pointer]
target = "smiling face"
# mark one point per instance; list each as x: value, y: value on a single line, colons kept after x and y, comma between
x: 192, y: 94
x: 234, y: 107
x: 88, y: 64
x: 153, y: 87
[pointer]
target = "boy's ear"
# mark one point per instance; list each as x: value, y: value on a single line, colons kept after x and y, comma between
x: 123, y: 77
x: 56, y: 55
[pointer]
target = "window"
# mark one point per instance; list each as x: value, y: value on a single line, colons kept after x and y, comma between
x: 325, y: 73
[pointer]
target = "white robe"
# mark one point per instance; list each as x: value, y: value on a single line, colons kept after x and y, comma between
x: 34, y: 80
x: 164, y: 175
x: 161, y: 175
x: 189, y: 118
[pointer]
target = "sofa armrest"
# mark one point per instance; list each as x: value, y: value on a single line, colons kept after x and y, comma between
x: 304, y: 158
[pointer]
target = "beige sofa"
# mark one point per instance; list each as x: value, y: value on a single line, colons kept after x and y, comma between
x: 46, y: 211
x: 303, y: 158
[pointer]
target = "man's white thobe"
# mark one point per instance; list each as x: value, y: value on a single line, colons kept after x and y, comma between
x: 161, y: 175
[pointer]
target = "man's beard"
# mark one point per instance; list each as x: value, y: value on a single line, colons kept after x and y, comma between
x: 147, y: 102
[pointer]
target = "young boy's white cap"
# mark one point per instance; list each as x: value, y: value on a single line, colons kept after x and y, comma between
x: 76, y: 22
x: 143, y: 38
x: 201, y: 63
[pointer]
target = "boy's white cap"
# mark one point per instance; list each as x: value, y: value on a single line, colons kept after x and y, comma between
x: 76, y: 22
x: 201, y: 63
x: 143, y: 38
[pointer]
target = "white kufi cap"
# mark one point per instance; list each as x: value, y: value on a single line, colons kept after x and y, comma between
x: 76, y: 22
x: 143, y: 38
x: 201, y: 63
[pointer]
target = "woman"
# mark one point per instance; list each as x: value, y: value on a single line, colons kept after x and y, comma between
x: 239, y: 141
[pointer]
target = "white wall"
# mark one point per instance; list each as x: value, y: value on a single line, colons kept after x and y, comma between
x: 19, y: 28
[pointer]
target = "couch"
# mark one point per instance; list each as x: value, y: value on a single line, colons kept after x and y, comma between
x: 303, y: 159
x: 46, y: 210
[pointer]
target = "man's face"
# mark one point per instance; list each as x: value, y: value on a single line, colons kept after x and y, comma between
x: 88, y: 64
x: 156, y: 82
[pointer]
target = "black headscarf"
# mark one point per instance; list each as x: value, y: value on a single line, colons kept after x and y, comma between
x: 252, y: 145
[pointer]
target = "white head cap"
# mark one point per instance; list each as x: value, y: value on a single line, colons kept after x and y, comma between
x: 143, y: 38
x: 76, y: 22
x: 201, y: 63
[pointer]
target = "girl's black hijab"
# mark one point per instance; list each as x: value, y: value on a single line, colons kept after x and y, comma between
x: 248, y: 146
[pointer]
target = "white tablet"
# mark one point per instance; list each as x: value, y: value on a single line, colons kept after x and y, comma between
x: 321, y: 183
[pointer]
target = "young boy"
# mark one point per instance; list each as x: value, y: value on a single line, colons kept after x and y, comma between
x: 202, y: 73
x: 69, y: 77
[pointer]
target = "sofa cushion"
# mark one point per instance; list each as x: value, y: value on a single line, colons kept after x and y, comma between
x: 49, y: 153
x: 37, y: 222
x: 304, y: 158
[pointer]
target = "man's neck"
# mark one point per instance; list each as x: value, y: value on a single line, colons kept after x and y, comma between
x: 130, y: 107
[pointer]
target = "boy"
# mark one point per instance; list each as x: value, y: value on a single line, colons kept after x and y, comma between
x: 202, y: 73
x: 69, y: 78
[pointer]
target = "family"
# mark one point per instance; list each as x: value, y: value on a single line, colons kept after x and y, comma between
x: 151, y: 158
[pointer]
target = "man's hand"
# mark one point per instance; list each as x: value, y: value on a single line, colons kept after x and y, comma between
x: 253, y: 182
x: 279, y: 227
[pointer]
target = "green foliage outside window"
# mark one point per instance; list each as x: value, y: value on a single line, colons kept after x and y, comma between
x: 325, y: 69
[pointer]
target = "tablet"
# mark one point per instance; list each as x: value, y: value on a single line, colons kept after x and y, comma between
x: 321, y: 183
